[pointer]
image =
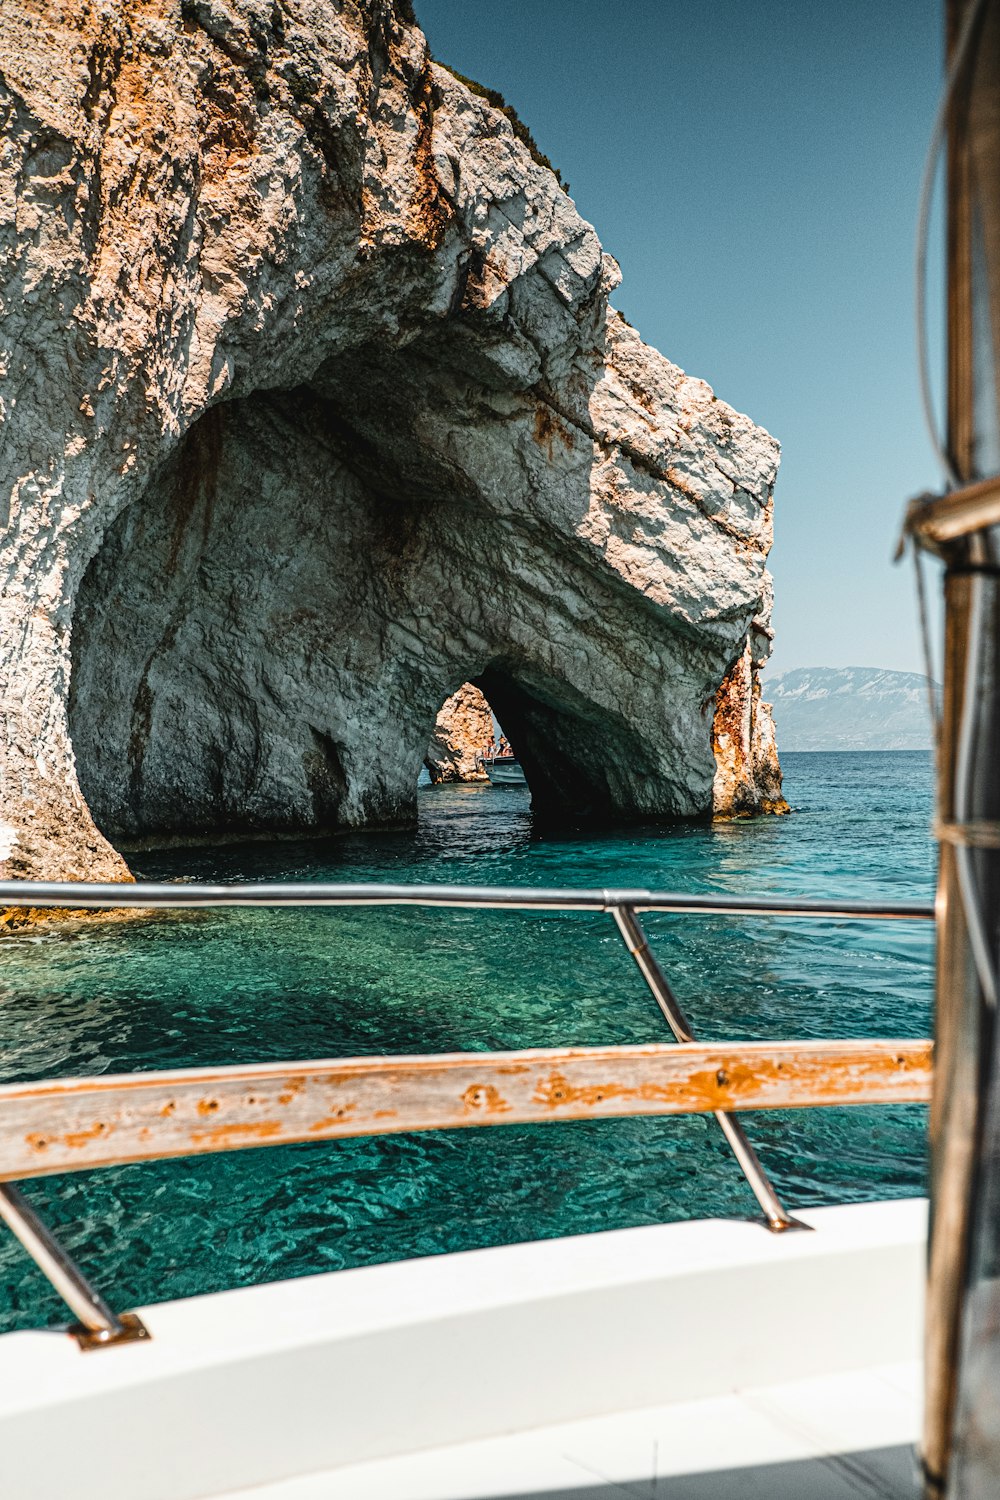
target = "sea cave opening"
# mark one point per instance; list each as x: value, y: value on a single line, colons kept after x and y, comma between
x: 264, y: 637
x: 578, y: 761
x: 469, y: 744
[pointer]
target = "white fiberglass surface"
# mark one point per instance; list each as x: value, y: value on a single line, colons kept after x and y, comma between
x: 380, y: 1365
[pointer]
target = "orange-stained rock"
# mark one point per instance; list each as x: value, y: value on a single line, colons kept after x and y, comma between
x: 747, y: 773
x: 462, y: 733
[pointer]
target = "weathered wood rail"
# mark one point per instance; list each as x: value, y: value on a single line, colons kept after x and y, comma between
x: 71, y: 1124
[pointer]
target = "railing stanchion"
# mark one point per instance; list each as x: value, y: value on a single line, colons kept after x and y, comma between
x: 97, y: 1326
x: 634, y: 937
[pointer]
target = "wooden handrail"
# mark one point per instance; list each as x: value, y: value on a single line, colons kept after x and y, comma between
x: 71, y: 1124
x: 938, y: 520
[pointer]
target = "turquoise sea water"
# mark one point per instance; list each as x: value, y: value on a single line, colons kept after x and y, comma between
x: 219, y: 987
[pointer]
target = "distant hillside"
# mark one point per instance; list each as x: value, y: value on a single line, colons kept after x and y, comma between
x: 849, y: 708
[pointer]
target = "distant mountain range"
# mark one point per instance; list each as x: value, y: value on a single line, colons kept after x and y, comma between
x: 849, y: 708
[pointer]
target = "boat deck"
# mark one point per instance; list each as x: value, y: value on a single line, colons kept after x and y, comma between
x: 832, y: 1437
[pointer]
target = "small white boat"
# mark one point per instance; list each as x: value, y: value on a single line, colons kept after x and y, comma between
x: 503, y: 770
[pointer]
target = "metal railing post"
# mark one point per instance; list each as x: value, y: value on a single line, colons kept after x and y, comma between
x: 634, y: 937
x: 97, y: 1326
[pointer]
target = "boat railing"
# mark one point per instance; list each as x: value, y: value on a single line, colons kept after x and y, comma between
x: 72, y: 1124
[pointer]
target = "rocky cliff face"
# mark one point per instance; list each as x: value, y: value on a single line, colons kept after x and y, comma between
x: 314, y: 408
x: 463, y: 729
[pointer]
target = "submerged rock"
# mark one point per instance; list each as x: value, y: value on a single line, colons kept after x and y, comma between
x: 462, y: 732
x: 314, y: 409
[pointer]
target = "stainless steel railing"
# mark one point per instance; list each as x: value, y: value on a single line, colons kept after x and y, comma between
x: 98, y: 1325
x: 80, y: 895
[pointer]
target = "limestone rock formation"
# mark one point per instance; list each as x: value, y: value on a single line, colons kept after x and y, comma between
x: 463, y: 729
x: 314, y: 408
x: 747, y: 772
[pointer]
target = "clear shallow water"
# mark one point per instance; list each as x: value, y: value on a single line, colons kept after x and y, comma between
x: 215, y: 987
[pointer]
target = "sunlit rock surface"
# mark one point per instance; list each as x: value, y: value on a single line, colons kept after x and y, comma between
x: 462, y: 731
x: 314, y: 409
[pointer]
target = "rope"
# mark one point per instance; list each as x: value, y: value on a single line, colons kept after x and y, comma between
x: 975, y: 920
x: 959, y: 59
x: 925, y: 642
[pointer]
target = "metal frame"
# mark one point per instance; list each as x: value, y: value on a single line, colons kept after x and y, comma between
x: 635, y: 941
x: 98, y: 1326
x: 81, y: 895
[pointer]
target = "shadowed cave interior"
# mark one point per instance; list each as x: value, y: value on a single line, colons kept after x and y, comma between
x: 263, y: 641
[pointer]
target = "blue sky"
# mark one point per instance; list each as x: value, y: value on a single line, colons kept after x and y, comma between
x: 755, y: 169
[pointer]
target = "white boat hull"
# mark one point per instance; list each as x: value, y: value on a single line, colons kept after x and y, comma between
x: 709, y: 1351
x: 507, y: 773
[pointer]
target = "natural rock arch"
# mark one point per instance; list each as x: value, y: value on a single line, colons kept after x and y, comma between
x: 261, y: 644
x: 334, y: 415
